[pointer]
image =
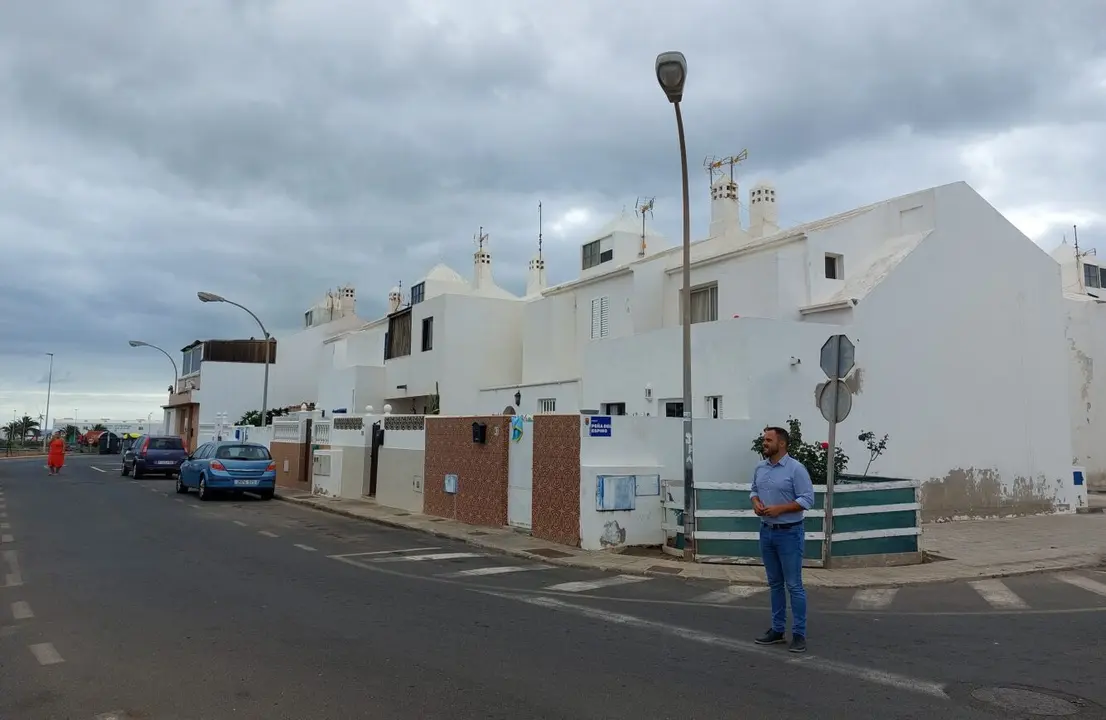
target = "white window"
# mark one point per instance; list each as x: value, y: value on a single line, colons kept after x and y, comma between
x: 714, y: 407
x: 835, y: 267
x: 704, y: 303
x: 598, y: 252
x: 547, y: 405
x: 600, y: 317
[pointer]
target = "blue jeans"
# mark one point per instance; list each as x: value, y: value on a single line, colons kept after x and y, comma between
x: 782, y: 552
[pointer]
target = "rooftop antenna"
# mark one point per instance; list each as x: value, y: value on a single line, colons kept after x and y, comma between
x: 539, y: 229
x: 642, y: 207
x: 481, y: 238
x: 715, y: 165
x: 1080, y: 273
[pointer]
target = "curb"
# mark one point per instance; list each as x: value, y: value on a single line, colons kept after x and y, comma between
x: 1090, y: 510
x: 570, y: 561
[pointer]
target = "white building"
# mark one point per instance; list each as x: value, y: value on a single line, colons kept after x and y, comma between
x: 1083, y: 278
x: 141, y: 425
x: 960, y: 358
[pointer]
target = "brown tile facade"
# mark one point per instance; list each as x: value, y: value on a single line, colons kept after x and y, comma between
x: 481, y: 470
x: 556, y: 508
x: 297, y: 476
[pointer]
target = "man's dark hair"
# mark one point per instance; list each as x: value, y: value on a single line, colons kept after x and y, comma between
x: 780, y: 433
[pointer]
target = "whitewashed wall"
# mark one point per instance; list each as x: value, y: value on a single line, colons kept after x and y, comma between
x: 1085, y: 328
x: 233, y: 388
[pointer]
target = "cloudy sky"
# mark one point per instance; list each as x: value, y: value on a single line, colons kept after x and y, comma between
x: 267, y: 150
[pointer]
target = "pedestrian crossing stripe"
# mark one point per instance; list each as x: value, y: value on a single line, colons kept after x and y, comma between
x: 730, y: 593
x: 585, y: 585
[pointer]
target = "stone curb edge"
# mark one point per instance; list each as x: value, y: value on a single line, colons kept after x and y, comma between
x: 569, y: 562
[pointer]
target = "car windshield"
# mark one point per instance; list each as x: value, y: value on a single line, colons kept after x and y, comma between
x: 242, y: 452
x: 166, y: 444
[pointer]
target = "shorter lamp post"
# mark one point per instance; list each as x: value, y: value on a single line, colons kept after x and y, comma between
x: 207, y: 297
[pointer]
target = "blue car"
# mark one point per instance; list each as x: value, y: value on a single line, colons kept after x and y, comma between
x: 229, y: 466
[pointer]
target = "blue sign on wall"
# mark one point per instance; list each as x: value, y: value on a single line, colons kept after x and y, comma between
x: 451, y: 484
x: 600, y: 426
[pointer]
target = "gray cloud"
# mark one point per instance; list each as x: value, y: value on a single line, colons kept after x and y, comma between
x: 267, y: 151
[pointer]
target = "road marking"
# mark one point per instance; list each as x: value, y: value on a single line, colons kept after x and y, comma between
x: 240, y: 523
x: 46, y: 654
x: 427, y: 556
x: 998, y: 595
x: 266, y: 533
x: 1083, y: 582
x: 383, y: 552
x: 21, y: 610
x: 5, y: 526
x: 7, y: 538
x: 478, y: 572
x: 113, y: 715
x: 877, y: 677
x: 729, y: 594
x: 178, y: 500
x: 3, y: 514
x: 14, y: 578
x: 585, y: 585
x: 97, y: 469
x: 872, y: 599
x: 308, y: 548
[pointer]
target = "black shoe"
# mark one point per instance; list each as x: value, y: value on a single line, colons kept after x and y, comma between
x: 770, y: 638
x: 798, y: 644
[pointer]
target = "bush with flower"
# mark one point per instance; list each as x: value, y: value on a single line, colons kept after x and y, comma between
x: 812, y: 455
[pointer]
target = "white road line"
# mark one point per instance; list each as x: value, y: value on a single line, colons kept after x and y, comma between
x: 998, y: 595
x: 266, y: 533
x: 7, y: 538
x: 872, y: 599
x: 383, y: 552
x: 97, y: 469
x: 113, y: 715
x: 14, y: 577
x: 428, y: 556
x: 3, y: 514
x: 46, y: 654
x: 1083, y: 582
x: 21, y: 610
x: 240, y: 523
x: 308, y: 548
x: 585, y: 585
x: 815, y: 663
x: 731, y: 593
x: 5, y: 526
x: 478, y: 572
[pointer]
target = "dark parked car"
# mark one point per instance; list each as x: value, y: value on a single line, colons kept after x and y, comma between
x: 154, y: 455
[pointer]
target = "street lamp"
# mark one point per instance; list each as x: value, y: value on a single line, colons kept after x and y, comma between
x: 176, y: 375
x: 49, y: 387
x: 671, y: 68
x: 207, y: 297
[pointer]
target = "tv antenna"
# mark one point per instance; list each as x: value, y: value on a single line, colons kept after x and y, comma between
x: 643, y: 207
x: 480, y: 238
x: 539, y: 229
x: 715, y: 166
x: 1092, y: 251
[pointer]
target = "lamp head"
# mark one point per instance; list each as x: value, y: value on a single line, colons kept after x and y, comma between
x: 671, y: 73
x: 137, y: 343
x: 210, y: 297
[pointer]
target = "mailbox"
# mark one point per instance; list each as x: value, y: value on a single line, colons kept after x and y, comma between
x: 479, y: 432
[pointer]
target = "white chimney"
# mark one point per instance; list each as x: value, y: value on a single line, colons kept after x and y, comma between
x: 725, y: 216
x: 395, y: 300
x: 763, y: 211
x: 347, y: 297
x: 535, y: 281
x: 482, y: 268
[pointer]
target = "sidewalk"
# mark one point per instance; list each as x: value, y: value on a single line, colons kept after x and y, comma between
x: 968, y: 550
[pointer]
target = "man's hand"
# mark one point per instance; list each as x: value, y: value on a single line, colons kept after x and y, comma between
x: 772, y: 511
x: 758, y: 506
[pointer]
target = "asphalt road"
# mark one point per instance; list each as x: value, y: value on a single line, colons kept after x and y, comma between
x: 121, y: 600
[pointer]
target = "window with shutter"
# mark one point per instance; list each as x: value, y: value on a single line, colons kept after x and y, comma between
x: 600, y: 317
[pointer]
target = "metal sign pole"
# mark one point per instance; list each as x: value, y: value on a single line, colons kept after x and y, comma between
x: 837, y: 360
x: 831, y: 452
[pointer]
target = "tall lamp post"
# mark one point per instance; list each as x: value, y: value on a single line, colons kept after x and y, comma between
x: 49, y: 387
x: 671, y: 68
x: 212, y: 297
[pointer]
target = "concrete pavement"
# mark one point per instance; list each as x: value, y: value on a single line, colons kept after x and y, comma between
x: 968, y: 550
x: 133, y: 602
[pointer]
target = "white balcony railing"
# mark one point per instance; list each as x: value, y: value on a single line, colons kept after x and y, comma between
x: 320, y: 433
x: 288, y: 431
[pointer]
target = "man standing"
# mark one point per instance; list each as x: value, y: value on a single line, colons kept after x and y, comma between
x: 781, y: 493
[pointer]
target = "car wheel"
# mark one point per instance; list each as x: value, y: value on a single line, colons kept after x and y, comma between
x: 181, y: 487
x: 124, y: 470
x: 205, y: 494
x: 138, y: 474
x: 267, y: 494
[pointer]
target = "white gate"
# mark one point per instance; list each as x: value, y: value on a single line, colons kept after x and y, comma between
x: 520, y: 472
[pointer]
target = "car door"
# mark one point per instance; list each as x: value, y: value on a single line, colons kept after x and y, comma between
x: 129, y: 453
x: 190, y: 473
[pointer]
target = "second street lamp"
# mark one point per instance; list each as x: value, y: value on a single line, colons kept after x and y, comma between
x: 207, y: 297
x: 671, y: 69
x: 176, y: 375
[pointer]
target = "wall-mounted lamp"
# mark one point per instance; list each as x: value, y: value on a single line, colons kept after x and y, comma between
x: 518, y: 398
x: 401, y: 387
x: 795, y: 360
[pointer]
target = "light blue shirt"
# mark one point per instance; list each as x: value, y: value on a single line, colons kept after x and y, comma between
x: 780, y: 483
